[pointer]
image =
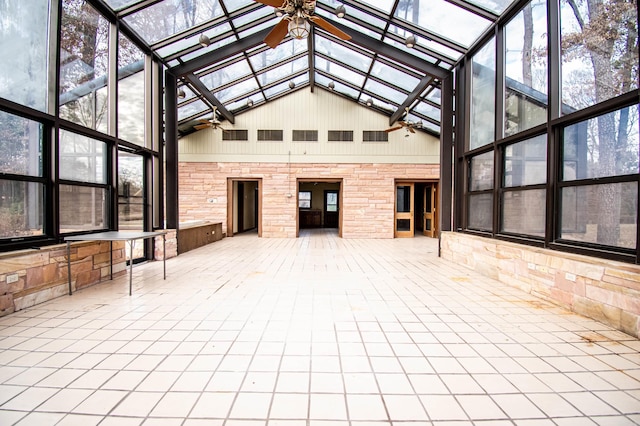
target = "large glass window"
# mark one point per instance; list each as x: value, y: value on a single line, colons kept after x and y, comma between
x: 82, y: 159
x: 526, y: 69
x: 131, y: 92
x: 131, y: 197
x: 523, y: 207
x: 597, y: 150
x: 483, y: 96
x: 480, y: 208
x: 601, y: 214
x: 82, y: 208
x: 24, y: 48
x: 607, y: 145
x: 599, y: 51
x: 21, y: 183
x: 84, y: 65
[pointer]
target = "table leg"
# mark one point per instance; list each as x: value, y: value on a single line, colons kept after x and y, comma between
x: 69, y: 264
x: 164, y: 256
x: 131, y: 266
x: 111, y: 260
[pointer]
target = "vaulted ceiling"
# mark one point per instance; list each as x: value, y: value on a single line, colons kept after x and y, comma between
x: 233, y: 70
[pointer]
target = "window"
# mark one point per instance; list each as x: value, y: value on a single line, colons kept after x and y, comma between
x: 84, y: 194
x: 304, y: 199
x: 131, y: 196
x: 24, y: 43
x: 480, y: 212
x: 375, y: 136
x: 598, y: 60
x: 483, y: 96
x: 305, y: 136
x: 526, y: 85
x: 21, y: 177
x: 270, y: 135
x: 599, y: 189
x: 85, y: 66
x: 235, y: 135
x: 340, y: 136
x: 131, y: 92
x: 523, y: 203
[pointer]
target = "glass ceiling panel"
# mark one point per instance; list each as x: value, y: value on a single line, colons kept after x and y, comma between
x: 495, y: 6
x: 121, y: 4
x: 428, y: 110
x: 343, y: 54
x: 191, y: 109
x: 347, y: 23
x: 240, y: 104
x: 441, y: 17
x: 283, y: 87
x: 339, y: 71
x: 237, y: 90
x: 185, y: 43
x: 338, y: 87
x: 233, y: 5
x: 282, y: 71
x: 413, y: 51
x: 252, y: 29
x: 378, y: 103
x: 226, y: 75
x: 285, y: 50
x: 435, y: 95
x: 212, y: 46
x: 384, y: 91
x: 169, y: 17
x: 394, y: 76
x: 384, y: 5
x: 253, y: 16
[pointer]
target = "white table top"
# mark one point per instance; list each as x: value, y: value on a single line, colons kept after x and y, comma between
x: 114, y: 236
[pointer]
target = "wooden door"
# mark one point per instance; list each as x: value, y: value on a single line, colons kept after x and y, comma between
x: 429, y: 211
x: 331, y: 208
x: 404, y: 225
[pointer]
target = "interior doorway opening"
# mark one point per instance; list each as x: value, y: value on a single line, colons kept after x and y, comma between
x: 319, y: 205
x: 415, y: 209
x: 244, y: 201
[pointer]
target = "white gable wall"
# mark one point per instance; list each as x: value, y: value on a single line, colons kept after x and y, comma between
x: 304, y: 110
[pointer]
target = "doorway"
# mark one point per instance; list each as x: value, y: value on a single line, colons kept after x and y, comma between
x: 319, y: 204
x: 415, y: 209
x: 243, y: 206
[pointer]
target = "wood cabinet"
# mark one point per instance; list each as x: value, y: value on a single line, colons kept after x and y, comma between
x: 310, y: 218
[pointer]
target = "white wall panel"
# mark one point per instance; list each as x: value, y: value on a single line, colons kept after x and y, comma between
x: 303, y: 110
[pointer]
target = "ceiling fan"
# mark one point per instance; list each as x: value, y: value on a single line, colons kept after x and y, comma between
x: 213, y: 122
x: 408, y: 125
x: 297, y: 16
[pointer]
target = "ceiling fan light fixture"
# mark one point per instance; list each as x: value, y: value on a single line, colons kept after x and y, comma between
x: 369, y: 102
x: 279, y: 12
x: 299, y: 28
x: 181, y: 94
x: 291, y: 85
x: 340, y: 11
x: 204, y: 40
x: 410, y: 41
x: 249, y: 102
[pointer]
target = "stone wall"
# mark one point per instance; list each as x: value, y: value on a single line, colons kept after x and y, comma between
x: 30, y: 277
x: 368, y: 192
x: 604, y: 290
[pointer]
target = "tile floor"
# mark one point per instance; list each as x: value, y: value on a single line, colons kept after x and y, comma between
x: 314, y: 331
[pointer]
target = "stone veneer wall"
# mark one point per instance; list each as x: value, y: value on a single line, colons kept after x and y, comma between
x: 368, y: 193
x: 29, y: 277
x: 601, y: 289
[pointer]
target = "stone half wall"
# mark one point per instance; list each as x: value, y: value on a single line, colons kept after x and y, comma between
x: 368, y: 192
x: 30, y: 277
x: 601, y: 289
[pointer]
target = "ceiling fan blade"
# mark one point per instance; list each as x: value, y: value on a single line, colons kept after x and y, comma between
x: 201, y: 126
x: 411, y: 129
x: 272, y: 3
x: 393, y: 128
x: 330, y: 28
x: 277, y: 34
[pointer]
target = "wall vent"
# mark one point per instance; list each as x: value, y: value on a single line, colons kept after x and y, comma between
x: 375, y: 136
x: 340, y: 136
x: 235, y: 135
x: 305, y: 136
x: 270, y: 135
